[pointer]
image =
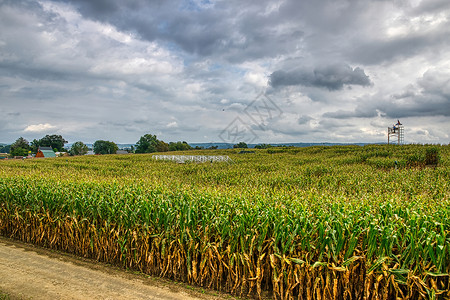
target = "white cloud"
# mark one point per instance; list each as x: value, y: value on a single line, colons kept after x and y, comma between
x: 39, y: 127
x: 255, y: 78
x: 173, y: 124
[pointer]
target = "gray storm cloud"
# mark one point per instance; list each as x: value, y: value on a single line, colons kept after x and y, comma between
x: 430, y: 96
x: 332, y: 77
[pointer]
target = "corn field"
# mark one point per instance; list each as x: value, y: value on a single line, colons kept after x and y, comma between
x: 341, y: 222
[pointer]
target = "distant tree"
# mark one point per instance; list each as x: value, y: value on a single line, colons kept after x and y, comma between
x: 20, y: 143
x: 263, y: 146
x: 78, y: 148
x: 34, y: 145
x: 55, y: 141
x: 5, y: 149
x: 20, y: 147
x: 212, y: 147
x: 105, y: 147
x: 240, y: 145
x: 19, y: 152
x: 146, y: 144
x: 179, y: 146
x: 162, y: 147
x: 149, y: 143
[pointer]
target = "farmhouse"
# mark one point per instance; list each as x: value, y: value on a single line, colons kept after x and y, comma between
x: 45, y: 152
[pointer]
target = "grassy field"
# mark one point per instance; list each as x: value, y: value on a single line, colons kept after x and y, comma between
x: 341, y: 222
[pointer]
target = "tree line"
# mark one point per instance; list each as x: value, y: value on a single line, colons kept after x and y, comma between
x: 148, y: 143
x: 21, y: 147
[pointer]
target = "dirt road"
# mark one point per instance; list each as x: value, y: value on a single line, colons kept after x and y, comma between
x: 28, y: 272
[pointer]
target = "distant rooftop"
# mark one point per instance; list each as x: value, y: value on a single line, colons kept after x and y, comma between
x: 45, y: 152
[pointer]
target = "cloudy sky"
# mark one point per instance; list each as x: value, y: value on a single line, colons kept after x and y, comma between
x: 225, y: 71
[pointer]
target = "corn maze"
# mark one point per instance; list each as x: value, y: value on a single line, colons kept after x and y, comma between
x: 342, y: 222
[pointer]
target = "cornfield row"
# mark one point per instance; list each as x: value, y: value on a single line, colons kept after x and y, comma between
x: 317, y: 223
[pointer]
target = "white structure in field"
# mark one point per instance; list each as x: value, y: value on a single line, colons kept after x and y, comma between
x: 397, y: 132
x: 193, y: 158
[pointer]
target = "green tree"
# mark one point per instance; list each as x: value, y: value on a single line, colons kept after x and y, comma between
x: 78, y: 148
x: 20, y: 147
x: 162, y: 147
x: 105, y: 147
x: 149, y: 143
x: 240, y: 145
x: 263, y: 146
x: 34, y: 145
x: 5, y: 149
x: 55, y: 141
x: 19, y: 152
x: 179, y: 146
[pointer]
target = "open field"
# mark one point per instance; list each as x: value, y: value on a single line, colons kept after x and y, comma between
x: 343, y: 222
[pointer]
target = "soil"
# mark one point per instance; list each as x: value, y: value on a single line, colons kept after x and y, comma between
x: 29, y: 272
